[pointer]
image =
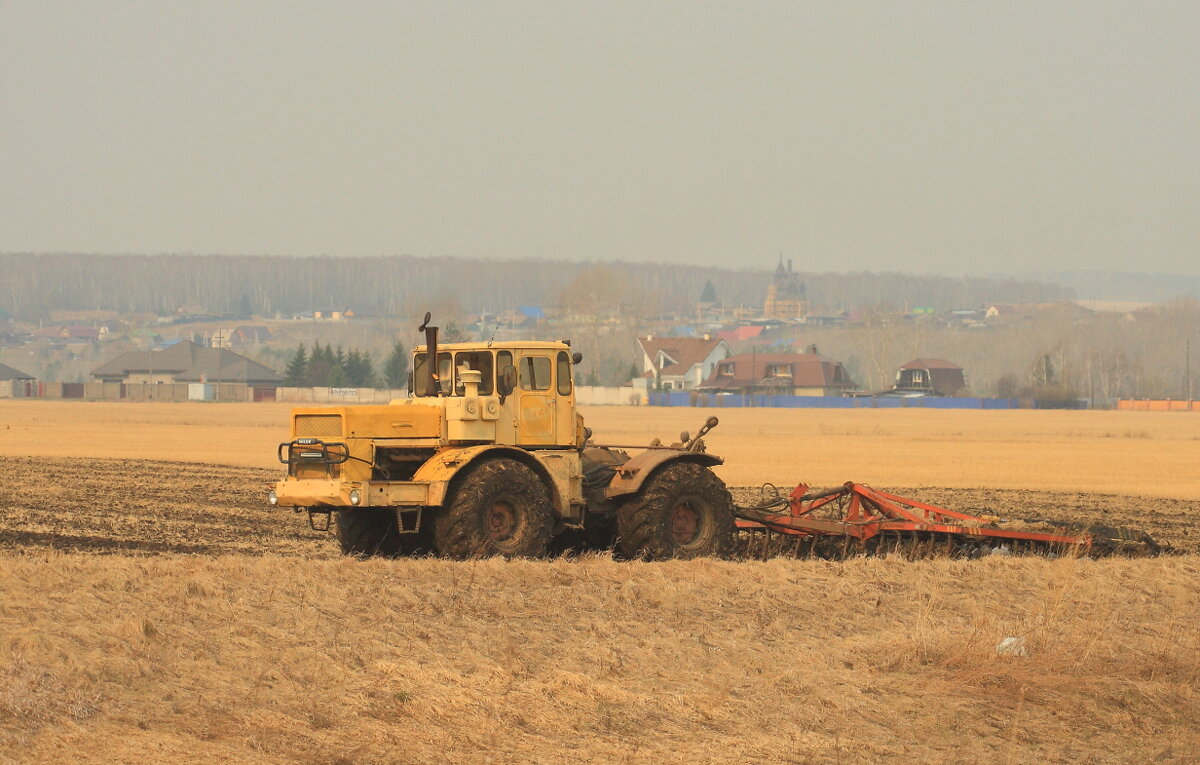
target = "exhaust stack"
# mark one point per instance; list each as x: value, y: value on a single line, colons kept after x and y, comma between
x: 432, y: 386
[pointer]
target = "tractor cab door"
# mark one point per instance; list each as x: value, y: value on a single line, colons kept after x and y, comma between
x: 535, y: 399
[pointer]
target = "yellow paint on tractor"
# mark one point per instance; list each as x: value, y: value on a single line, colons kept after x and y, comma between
x: 488, y: 450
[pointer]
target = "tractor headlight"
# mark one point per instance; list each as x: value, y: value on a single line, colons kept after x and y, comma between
x: 272, y: 498
x: 355, y: 497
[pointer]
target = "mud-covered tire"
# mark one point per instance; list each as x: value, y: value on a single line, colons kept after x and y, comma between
x: 500, y: 507
x: 369, y: 531
x: 683, y: 511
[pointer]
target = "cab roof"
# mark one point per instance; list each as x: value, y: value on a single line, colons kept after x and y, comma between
x: 483, y: 345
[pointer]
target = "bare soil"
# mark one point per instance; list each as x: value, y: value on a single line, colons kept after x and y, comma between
x: 148, y: 507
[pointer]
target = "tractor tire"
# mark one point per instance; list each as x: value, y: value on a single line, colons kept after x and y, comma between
x: 683, y: 511
x: 368, y: 531
x: 500, y: 507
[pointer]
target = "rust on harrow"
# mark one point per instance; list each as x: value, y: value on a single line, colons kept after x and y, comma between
x: 857, y: 519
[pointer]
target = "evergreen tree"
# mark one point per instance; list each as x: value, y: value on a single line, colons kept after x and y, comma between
x: 337, y: 377
x: 320, y: 366
x: 709, y: 295
x: 297, y: 369
x: 360, y: 371
x: 395, y: 369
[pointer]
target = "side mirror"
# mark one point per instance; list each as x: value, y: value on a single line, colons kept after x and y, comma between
x: 576, y: 357
x: 508, y: 380
x: 410, y: 383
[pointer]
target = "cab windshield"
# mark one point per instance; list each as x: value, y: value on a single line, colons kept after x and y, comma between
x: 448, y: 369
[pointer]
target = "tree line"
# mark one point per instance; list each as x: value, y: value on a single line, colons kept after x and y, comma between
x: 328, y: 367
x: 404, y: 285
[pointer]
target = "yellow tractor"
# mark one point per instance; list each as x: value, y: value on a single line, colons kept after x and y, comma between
x: 488, y: 456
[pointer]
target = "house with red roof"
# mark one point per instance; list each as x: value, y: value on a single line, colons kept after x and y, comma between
x: 786, y: 374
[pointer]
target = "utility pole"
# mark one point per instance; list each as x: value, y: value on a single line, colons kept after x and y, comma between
x: 1187, y: 369
x: 219, y: 336
x: 753, y: 361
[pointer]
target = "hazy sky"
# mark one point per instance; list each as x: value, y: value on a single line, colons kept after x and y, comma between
x: 937, y: 137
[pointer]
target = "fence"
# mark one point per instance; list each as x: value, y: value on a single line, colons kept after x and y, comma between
x: 736, y: 400
x: 339, y: 395
x: 596, y: 395
x: 1157, y: 405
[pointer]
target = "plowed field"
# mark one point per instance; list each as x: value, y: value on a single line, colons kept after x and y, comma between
x: 145, y: 507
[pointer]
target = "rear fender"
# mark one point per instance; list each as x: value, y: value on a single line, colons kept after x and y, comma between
x: 633, y: 474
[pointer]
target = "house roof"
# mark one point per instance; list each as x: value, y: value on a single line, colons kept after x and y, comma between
x: 930, y: 364
x: 744, y: 332
x: 187, y: 362
x: 808, y: 370
x: 682, y: 353
x: 8, y: 373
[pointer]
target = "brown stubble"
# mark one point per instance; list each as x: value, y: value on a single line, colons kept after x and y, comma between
x: 269, y: 658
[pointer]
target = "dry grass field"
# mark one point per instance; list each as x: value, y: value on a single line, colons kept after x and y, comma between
x: 281, y: 659
x: 154, y: 609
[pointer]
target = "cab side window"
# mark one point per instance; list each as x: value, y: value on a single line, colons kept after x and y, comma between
x: 534, y: 373
x: 564, y: 374
x: 503, y: 359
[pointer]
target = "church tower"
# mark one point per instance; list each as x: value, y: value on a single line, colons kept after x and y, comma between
x: 785, y: 295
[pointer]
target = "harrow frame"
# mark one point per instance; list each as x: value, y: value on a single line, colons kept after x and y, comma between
x: 857, y: 513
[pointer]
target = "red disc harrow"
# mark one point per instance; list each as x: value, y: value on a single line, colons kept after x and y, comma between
x: 855, y: 518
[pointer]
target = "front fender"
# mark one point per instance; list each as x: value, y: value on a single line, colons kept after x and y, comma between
x: 441, y: 469
x: 633, y: 474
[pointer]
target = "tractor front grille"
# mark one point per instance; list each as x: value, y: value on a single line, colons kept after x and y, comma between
x: 318, y: 425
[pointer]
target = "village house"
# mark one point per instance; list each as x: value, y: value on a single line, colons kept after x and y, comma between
x: 14, y: 382
x: 931, y: 377
x: 186, y: 362
x: 238, y: 337
x: 787, y: 374
x: 333, y: 314
x: 679, y: 363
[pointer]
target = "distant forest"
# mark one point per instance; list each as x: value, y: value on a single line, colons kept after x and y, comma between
x: 33, y: 285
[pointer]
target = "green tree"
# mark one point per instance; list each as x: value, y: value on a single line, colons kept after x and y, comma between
x: 360, y: 370
x: 338, y: 378
x: 297, y: 369
x: 395, y: 369
x: 452, y: 333
x: 320, y: 366
x: 709, y: 294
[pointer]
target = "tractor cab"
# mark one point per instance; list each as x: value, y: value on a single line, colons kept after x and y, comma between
x: 519, y: 393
